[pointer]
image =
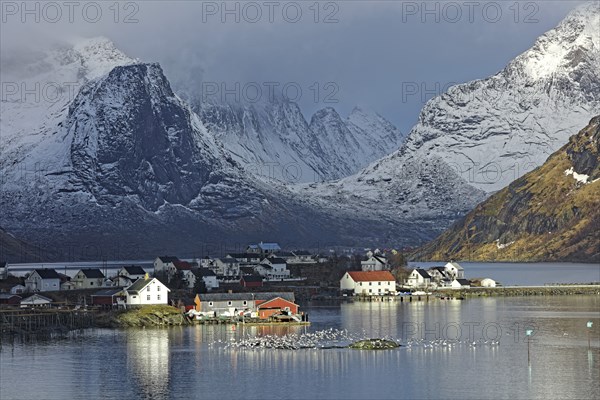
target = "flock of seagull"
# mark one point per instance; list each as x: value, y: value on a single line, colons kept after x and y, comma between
x: 334, y: 338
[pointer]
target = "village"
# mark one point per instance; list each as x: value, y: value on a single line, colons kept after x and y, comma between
x: 261, y: 283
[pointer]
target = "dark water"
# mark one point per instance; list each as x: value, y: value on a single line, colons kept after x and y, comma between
x: 451, y: 352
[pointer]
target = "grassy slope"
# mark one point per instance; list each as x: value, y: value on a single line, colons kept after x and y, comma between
x: 547, y: 214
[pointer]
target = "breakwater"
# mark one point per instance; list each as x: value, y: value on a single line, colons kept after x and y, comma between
x: 553, y: 290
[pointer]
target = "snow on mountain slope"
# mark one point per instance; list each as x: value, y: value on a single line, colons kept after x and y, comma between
x: 127, y: 170
x: 273, y: 140
x: 36, y: 97
x: 482, y: 135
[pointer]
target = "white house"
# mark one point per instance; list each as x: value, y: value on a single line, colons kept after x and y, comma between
x: 88, y: 278
x: 301, y: 257
x: 209, y: 278
x: 263, y: 248
x: 42, y: 280
x: 455, y: 270
x: 133, y: 272
x: 460, y: 284
x: 278, y: 268
x: 487, y: 282
x: 17, y: 289
x: 189, y: 277
x: 147, y: 291
x: 370, y: 283
x: 228, y: 266
x: 418, y: 278
x: 375, y: 262
x: 162, y: 264
x: 37, y: 300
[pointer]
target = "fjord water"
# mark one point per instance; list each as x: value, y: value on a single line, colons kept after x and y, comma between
x: 199, y: 361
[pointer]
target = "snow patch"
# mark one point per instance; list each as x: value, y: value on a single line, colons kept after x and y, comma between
x: 578, y: 177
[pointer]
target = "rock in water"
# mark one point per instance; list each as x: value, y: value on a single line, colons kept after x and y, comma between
x: 374, y: 344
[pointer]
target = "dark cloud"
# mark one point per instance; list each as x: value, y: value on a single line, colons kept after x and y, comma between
x: 346, y: 53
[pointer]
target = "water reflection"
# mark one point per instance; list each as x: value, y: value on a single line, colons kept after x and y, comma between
x: 148, y: 361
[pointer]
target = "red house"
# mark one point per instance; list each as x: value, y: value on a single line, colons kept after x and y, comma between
x: 9, y: 299
x: 275, y: 306
x: 251, y: 281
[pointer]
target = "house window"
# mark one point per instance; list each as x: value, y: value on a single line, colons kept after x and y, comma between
x: 370, y: 283
x: 210, y: 303
x: 379, y: 283
x: 91, y: 283
x: 148, y: 297
x: 158, y: 297
x: 245, y: 303
x: 158, y: 288
x: 229, y: 303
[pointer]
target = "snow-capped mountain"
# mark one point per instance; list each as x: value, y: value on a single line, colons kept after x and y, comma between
x: 126, y: 165
x: 273, y: 140
x: 480, y: 136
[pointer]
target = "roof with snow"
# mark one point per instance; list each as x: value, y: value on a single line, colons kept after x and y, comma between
x: 371, y: 276
x: 269, y: 246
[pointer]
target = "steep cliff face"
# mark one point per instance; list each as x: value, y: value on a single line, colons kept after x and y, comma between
x: 550, y: 213
x: 133, y: 137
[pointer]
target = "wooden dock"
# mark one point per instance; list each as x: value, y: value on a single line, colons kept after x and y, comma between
x: 43, y: 322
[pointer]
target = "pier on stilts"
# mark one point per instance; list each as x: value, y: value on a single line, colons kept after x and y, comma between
x: 43, y: 322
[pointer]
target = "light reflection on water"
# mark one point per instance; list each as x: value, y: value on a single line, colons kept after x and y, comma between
x: 199, y: 361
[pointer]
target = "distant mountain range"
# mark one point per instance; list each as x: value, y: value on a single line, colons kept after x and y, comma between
x: 272, y: 139
x: 550, y: 214
x: 479, y: 136
x: 117, y: 160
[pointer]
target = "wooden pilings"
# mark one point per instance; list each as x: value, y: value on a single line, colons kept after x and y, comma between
x: 34, y: 322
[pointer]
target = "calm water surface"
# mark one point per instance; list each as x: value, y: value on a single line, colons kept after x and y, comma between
x: 199, y: 362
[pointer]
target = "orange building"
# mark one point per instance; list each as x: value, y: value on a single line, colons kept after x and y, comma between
x: 268, y: 308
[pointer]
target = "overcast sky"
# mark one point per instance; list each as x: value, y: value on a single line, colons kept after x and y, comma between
x: 371, y: 53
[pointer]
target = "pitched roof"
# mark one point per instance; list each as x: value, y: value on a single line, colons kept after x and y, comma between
x: 92, y: 273
x: 284, y: 254
x: 108, y: 292
x: 36, y: 296
x: 135, y: 270
x: 456, y: 265
x: 423, y: 273
x: 182, y: 265
x: 262, y: 305
x: 139, y: 284
x: 289, y: 296
x: 269, y: 246
x: 302, y: 253
x: 247, y: 270
x: 47, y: 273
x: 8, y: 295
x: 371, y: 276
x: 463, y: 282
x: 277, y: 260
x: 168, y: 259
x: 206, y: 272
